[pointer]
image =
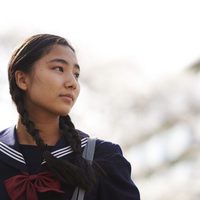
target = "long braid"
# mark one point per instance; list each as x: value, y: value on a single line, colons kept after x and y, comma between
x: 71, y: 135
x: 30, y: 126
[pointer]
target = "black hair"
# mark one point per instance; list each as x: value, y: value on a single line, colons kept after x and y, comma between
x: 79, y: 172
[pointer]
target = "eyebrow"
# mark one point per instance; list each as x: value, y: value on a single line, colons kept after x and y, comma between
x: 60, y: 60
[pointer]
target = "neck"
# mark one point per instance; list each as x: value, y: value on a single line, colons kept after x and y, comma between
x: 48, y: 131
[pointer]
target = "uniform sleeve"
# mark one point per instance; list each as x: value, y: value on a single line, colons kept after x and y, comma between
x: 117, y: 183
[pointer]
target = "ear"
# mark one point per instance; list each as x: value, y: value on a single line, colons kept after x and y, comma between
x: 21, y: 79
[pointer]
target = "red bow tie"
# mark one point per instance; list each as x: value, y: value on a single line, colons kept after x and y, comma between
x: 26, y: 186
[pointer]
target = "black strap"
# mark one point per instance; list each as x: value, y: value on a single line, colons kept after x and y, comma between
x: 88, y: 154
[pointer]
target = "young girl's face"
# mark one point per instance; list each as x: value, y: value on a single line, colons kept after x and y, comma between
x: 52, y: 87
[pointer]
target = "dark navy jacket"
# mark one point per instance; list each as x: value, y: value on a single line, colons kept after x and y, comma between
x: 116, y: 185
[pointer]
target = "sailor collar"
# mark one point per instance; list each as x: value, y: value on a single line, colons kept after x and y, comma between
x: 10, y: 154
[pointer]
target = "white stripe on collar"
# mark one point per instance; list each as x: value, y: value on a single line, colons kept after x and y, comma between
x: 19, y: 157
x: 67, y: 150
x: 11, y: 152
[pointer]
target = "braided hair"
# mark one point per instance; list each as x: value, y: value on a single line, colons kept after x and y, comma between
x: 79, y: 172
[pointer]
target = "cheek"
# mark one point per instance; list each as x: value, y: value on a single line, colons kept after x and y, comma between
x: 40, y: 88
x: 45, y: 82
x: 78, y: 90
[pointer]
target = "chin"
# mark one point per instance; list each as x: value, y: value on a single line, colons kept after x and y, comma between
x: 63, y: 110
x: 64, y: 113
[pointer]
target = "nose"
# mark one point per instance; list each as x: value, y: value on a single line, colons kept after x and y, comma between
x: 70, y: 81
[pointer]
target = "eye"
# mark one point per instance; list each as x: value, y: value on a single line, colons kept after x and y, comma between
x: 77, y: 74
x: 58, y: 68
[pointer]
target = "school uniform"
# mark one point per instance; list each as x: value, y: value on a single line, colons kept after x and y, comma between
x: 22, y: 170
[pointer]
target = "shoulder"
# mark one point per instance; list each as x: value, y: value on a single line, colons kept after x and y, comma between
x: 104, y: 150
x: 107, y: 148
x: 7, y: 135
x: 4, y: 132
x: 103, y: 147
x: 110, y: 155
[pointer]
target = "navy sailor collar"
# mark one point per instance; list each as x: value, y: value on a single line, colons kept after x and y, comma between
x: 10, y: 154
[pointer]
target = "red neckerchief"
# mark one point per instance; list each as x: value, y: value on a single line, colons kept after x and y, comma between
x: 26, y: 186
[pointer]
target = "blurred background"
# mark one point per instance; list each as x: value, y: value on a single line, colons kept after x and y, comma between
x: 140, y: 80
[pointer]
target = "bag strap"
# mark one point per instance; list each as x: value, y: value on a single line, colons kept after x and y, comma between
x: 88, y: 154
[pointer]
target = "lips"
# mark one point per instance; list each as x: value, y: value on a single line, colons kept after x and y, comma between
x: 67, y: 97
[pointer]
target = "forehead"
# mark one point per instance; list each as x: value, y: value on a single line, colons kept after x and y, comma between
x: 58, y: 54
x: 61, y: 52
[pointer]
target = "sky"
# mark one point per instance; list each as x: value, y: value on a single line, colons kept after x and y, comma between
x: 159, y: 38
x: 158, y: 35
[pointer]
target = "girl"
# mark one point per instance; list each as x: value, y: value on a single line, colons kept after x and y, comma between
x: 41, y: 157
